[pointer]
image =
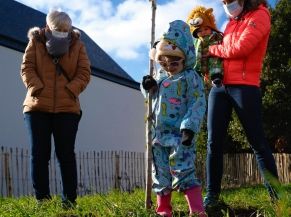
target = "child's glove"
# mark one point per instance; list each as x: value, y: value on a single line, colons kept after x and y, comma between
x: 187, y: 136
x: 148, y: 82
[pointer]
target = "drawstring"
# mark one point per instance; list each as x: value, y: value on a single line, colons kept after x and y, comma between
x: 59, y: 69
x: 55, y: 60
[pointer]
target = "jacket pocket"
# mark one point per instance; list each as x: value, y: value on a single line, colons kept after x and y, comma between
x: 35, y: 92
x: 71, y: 95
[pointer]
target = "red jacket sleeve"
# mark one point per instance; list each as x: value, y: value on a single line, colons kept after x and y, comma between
x: 246, y: 36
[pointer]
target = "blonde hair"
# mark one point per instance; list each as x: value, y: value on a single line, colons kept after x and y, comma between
x: 58, y: 19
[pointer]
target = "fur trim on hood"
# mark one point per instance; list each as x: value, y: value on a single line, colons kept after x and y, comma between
x: 38, y: 32
x: 33, y: 32
x: 77, y: 33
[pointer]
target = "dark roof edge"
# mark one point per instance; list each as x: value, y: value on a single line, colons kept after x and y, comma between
x: 12, y: 43
x: 20, y: 46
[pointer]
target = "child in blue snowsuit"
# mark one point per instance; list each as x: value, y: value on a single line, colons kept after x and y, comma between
x: 178, y: 109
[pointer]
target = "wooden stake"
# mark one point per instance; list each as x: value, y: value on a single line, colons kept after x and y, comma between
x: 149, y: 158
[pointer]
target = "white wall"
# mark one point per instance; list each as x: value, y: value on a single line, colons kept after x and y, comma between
x: 113, y: 115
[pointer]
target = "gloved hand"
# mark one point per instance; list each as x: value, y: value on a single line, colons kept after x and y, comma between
x: 187, y: 136
x: 148, y: 82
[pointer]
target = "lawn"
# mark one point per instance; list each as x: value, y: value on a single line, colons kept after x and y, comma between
x: 242, y: 202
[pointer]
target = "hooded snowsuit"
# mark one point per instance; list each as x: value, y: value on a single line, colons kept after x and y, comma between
x: 178, y: 104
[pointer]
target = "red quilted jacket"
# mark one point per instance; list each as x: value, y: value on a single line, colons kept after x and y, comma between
x: 244, y: 46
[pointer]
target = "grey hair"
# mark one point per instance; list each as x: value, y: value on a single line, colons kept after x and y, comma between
x: 57, y: 19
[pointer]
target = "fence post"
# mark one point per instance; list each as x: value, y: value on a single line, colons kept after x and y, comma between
x: 117, y: 172
x: 2, y: 171
x: 17, y: 172
x: 7, y: 175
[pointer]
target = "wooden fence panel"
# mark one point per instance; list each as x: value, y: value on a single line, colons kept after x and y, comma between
x: 117, y: 170
x: 242, y: 169
x: 283, y: 162
x: 100, y: 172
x: 27, y: 186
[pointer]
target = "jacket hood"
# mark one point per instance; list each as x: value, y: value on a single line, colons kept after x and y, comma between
x: 39, y: 33
x: 263, y: 8
x: 178, y: 33
x: 247, y: 13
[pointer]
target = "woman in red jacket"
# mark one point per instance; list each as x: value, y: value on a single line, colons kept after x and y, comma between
x: 243, y: 50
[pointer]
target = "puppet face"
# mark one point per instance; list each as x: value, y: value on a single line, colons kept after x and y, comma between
x: 201, y: 17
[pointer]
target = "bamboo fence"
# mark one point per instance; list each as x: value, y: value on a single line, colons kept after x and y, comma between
x: 102, y: 171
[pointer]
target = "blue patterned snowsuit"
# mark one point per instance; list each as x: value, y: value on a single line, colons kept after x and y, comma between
x: 178, y: 104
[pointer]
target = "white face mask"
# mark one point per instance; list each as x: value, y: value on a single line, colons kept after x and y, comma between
x: 233, y: 9
x: 58, y: 34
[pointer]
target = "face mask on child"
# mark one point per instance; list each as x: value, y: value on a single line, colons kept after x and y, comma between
x: 233, y: 9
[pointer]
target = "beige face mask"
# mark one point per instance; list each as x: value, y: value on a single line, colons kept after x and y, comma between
x: 58, y: 34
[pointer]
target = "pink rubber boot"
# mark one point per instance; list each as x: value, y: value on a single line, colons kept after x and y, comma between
x: 164, y: 207
x: 194, y: 200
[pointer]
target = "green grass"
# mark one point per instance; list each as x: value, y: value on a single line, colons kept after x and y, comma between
x: 256, y: 202
x: 242, y: 202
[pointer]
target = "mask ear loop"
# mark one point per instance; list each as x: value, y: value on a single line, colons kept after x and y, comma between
x: 155, y: 72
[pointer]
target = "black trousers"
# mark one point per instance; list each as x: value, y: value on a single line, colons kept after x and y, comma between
x: 63, y: 127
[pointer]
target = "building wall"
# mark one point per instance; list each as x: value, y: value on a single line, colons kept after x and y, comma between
x: 113, y: 115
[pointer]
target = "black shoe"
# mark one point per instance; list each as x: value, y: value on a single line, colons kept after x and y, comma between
x: 66, y: 204
x: 215, y: 207
x: 41, y: 201
x: 210, y: 201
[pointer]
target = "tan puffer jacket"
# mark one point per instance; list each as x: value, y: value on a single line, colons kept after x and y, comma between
x: 47, y: 91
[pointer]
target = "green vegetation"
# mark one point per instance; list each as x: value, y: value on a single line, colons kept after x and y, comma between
x: 276, y: 79
x: 248, y: 201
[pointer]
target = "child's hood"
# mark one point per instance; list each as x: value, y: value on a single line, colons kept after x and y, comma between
x: 179, y: 34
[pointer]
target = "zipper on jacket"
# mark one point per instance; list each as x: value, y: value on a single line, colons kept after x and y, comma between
x: 55, y: 92
x: 244, y: 70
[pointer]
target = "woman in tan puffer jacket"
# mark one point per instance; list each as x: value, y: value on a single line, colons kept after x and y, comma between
x: 55, y: 70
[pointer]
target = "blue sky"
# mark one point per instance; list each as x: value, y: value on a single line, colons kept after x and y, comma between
x: 122, y: 27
